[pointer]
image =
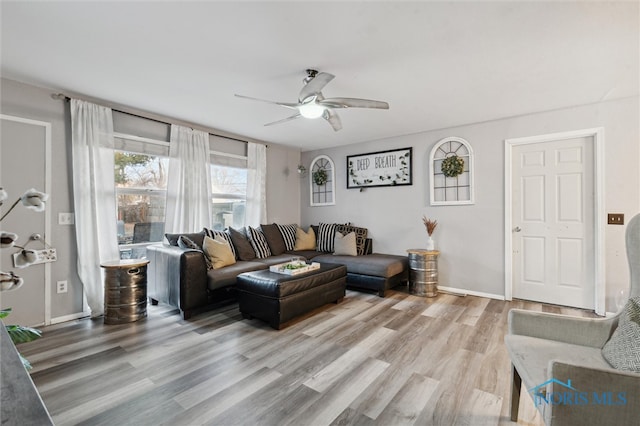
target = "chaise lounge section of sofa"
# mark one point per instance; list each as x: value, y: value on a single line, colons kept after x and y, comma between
x: 179, y: 276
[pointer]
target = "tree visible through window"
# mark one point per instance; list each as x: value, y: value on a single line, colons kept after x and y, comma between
x: 229, y: 194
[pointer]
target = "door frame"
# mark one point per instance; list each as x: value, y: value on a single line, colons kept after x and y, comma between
x: 47, y: 211
x: 597, y: 135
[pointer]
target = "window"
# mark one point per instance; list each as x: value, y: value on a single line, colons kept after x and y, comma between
x: 141, y: 187
x: 229, y: 194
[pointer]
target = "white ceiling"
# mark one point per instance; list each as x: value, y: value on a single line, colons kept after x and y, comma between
x: 438, y: 64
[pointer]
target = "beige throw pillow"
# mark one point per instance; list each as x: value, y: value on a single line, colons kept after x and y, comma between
x: 305, y: 240
x: 345, y: 244
x: 219, y: 251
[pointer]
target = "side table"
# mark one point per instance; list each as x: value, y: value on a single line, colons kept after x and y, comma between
x: 423, y: 272
x: 125, y: 290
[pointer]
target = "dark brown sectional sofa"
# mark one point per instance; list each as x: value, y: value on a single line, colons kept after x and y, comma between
x: 179, y: 277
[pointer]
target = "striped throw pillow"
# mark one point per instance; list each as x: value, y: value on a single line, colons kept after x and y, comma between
x: 224, y: 234
x: 258, y: 242
x: 289, y: 235
x: 325, y: 237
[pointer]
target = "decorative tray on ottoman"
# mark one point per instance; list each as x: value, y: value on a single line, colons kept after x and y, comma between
x: 294, y: 267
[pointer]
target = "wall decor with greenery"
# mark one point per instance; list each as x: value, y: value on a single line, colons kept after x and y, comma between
x: 383, y: 168
x: 322, y: 187
x: 451, y: 174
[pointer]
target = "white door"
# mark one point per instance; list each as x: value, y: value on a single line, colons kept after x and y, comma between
x: 553, y: 250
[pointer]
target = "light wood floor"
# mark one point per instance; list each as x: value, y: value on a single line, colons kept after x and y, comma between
x: 401, y: 360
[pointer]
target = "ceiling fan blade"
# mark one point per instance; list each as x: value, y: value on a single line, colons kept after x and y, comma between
x: 353, y: 103
x: 284, y: 104
x: 314, y: 86
x: 293, y: 117
x: 333, y: 119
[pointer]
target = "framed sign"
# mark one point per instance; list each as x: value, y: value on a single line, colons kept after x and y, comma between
x: 384, y: 168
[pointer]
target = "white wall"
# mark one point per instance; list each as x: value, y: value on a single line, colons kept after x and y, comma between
x: 35, y: 103
x: 471, y: 238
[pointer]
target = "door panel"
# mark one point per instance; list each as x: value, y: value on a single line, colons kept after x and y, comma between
x: 552, y: 213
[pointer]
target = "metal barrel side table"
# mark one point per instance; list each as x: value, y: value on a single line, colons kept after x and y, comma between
x: 423, y: 272
x: 125, y: 290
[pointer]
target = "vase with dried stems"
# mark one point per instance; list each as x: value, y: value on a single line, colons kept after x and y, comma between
x: 430, y: 225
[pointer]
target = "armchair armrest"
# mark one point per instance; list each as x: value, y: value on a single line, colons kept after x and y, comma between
x: 593, y: 332
x: 602, y: 396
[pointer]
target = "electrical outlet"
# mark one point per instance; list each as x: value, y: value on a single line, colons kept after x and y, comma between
x: 615, y: 218
x: 66, y: 219
x: 61, y: 287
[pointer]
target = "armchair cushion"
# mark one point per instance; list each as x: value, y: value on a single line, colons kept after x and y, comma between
x: 623, y: 349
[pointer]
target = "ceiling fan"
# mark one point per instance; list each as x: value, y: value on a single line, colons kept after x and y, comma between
x: 312, y: 104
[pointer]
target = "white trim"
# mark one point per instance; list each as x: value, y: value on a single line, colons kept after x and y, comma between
x: 70, y: 317
x: 597, y: 134
x: 466, y: 292
x: 225, y: 154
x: 47, y: 212
x: 140, y: 139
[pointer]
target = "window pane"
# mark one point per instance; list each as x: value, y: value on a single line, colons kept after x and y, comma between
x: 141, y: 182
x: 229, y: 188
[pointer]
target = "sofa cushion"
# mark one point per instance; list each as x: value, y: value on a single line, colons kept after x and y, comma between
x: 377, y: 265
x: 305, y: 240
x: 274, y: 238
x: 197, y: 238
x: 258, y: 242
x: 622, y: 350
x: 325, y: 236
x: 288, y: 233
x: 307, y: 254
x: 531, y: 356
x: 225, y: 277
x: 345, y: 244
x: 244, y: 251
x: 361, y: 235
x: 274, y: 260
x: 218, y: 251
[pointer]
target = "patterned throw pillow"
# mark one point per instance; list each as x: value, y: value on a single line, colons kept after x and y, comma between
x: 258, y: 242
x: 622, y: 350
x: 223, y: 234
x: 289, y: 235
x: 325, y: 236
x: 187, y: 243
x: 361, y: 235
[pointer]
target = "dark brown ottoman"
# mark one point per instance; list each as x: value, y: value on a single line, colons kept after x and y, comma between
x: 278, y: 298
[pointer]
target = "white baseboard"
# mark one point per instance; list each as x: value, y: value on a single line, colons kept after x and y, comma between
x: 70, y: 317
x: 464, y: 292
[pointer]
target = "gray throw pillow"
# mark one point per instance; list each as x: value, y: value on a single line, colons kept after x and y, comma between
x: 243, y: 247
x: 187, y: 243
x: 197, y: 237
x: 622, y: 350
x: 274, y: 239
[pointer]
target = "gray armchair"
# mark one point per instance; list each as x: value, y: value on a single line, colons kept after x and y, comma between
x: 559, y: 360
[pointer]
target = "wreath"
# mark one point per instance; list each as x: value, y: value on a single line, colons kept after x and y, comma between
x: 452, y: 166
x: 320, y: 177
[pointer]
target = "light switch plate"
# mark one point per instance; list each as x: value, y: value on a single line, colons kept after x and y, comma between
x: 66, y: 219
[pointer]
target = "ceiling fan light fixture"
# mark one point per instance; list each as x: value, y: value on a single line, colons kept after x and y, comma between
x: 311, y: 110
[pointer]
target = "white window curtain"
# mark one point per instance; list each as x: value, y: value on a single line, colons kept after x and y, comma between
x: 189, y: 181
x: 94, y: 196
x: 256, y: 208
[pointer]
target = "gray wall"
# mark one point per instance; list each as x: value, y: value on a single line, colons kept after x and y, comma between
x: 35, y: 103
x: 471, y: 238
